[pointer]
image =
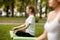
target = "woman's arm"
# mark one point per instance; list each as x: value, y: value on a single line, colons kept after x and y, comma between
x: 43, y: 36
x: 15, y: 29
x: 18, y: 27
x: 21, y: 26
x: 26, y: 26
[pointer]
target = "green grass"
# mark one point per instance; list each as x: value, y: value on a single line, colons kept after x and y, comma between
x: 39, y: 29
x: 12, y: 19
x: 4, y: 30
x: 17, y: 20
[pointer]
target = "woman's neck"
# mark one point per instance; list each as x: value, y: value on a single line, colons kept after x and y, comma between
x: 57, y: 9
x: 30, y: 14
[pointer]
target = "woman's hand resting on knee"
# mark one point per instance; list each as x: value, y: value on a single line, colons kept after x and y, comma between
x: 15, y: 29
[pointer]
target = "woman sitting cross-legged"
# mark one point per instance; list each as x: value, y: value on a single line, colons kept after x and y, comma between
x: 29, y: 24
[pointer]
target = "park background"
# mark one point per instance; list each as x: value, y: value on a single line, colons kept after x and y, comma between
x: 12, y: 14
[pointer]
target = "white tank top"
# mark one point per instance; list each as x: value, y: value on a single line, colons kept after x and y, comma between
x: 54, y: 25
x: 53, y: 28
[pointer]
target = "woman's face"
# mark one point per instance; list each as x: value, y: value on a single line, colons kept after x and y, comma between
x: 52, y: 3
x: 28, y: 10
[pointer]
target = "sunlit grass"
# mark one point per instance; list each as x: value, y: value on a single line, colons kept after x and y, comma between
x: 4, y: 31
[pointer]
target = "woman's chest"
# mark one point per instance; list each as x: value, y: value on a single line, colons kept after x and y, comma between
x: 54, y: 26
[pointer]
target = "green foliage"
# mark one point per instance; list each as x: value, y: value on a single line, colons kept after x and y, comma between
x: 23, y: 4
x: 4, y: 8
x: 7, y: 2
x: 36, y: 19
x: 39, y: 29
x: 1, y: 3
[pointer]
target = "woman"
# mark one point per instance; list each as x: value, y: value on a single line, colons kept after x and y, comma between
x: 52, y: 25
x: 29, y: 24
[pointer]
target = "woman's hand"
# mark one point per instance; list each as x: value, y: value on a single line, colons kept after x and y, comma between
x: 15, y: 28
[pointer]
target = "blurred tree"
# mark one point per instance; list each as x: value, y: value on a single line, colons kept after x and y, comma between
x: 12, y: 4
x: 35, y: 4
x: 7, y: 7
x: 1, y: 3
x: 21, y: 5
x: 7, y: 3
x: 46, y: 9
x: 41, y: 9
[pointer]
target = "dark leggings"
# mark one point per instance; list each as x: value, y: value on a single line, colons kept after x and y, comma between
x: 23, y: 34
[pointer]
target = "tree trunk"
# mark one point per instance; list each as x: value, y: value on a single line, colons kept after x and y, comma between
x: 35, y: 4
x: 46, y: 11
x: 13, y: 9
x: 40, y: 11
x: 7, y: 11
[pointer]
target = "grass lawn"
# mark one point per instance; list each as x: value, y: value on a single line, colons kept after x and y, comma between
x: 4, y: 31
x: 17, y: 20
x: 12, y: 19
x: 5, y: 28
